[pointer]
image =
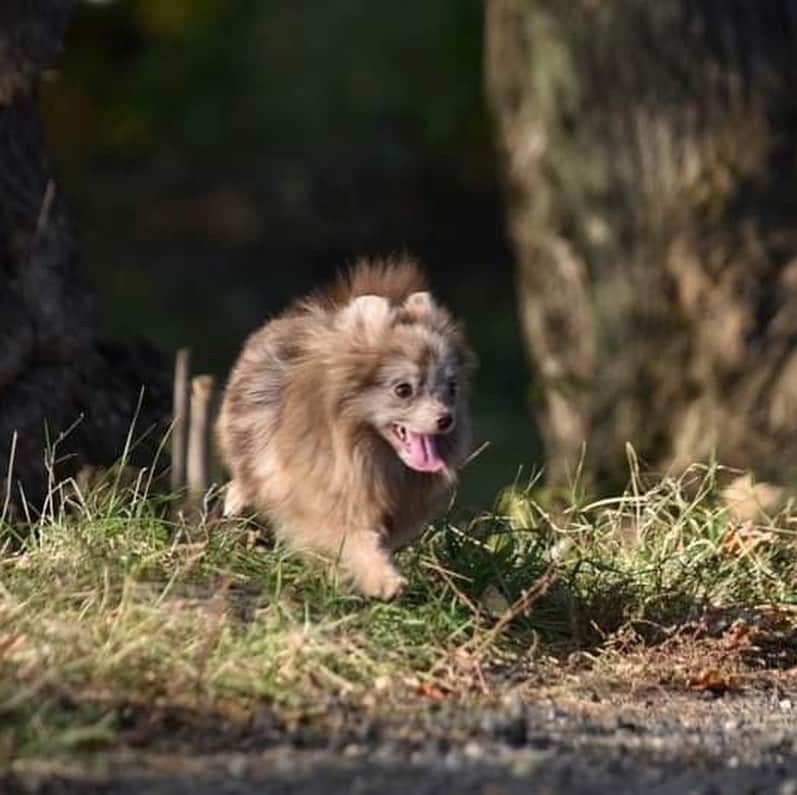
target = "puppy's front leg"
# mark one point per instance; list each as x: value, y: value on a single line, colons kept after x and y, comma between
x: 366, y: 562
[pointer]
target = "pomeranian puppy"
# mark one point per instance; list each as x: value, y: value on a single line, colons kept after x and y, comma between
x: 345, y: 419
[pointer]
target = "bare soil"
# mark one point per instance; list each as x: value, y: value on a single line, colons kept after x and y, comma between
x: 701, y: 712
x: 742, y: 743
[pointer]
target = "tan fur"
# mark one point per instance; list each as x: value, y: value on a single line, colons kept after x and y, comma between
x: 304, y: 427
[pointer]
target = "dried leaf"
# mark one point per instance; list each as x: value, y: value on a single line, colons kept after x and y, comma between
x: 428, y: 690
x: 738, y: 635
x: 714, y: 681
x: 744, y: 539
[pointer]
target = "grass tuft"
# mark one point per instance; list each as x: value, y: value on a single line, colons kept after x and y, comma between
x: 106, y: 603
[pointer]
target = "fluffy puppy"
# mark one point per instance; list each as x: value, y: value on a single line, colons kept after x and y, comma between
x: 345, y: 419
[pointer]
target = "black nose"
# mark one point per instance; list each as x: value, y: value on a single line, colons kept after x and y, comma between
x: 445, y: 421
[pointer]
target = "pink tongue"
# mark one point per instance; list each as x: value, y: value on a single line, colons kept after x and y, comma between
x: 423, y: 454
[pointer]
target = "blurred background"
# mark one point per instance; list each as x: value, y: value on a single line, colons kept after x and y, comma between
x: 608, y: 184
x: 221, y: 158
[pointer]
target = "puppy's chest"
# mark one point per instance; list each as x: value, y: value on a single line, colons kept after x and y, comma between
x: 412, y: 506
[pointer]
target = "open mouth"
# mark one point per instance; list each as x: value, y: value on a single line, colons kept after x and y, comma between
x: 418, y: 450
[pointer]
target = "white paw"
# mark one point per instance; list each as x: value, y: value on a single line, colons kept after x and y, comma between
x: 234, y: 502
x: 387, y: 584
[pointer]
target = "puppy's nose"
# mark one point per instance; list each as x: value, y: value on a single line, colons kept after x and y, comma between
x: 444, y: 422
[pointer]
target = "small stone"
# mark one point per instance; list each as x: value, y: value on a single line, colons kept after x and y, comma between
x: 527, y: 762
x: 237, y: 766
x: 452, y: 761
x: 788, y: 787
x: 473, y: 750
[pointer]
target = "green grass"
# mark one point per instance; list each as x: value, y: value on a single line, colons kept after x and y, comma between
x: 105, y: 603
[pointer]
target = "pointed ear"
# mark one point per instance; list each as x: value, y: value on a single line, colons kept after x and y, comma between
x: 419, y: 303
x: 365, y: 316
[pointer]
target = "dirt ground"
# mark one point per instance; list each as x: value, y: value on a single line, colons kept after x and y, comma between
x: 710, y: 710
x: 673, y: 743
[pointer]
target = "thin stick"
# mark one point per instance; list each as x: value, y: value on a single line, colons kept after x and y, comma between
x: 180, y: 420
x: 522, y: 605
x: 199, y: 437
x: 9, y: 478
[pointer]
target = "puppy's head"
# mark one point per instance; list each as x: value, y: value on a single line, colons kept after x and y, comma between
x: 411, y: 381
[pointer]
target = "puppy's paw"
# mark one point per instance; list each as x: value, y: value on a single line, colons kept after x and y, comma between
x: 234, y: 501
x: 392, y: 587
x: 386, y: 584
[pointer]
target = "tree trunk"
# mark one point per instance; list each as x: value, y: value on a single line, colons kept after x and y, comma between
x: 650, y: 162
x: 54, y: 372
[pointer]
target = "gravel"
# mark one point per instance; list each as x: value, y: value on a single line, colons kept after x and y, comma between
x: 682, y: 744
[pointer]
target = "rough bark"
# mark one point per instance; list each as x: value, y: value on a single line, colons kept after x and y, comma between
x: 55, y: 374
x: 650, y: 159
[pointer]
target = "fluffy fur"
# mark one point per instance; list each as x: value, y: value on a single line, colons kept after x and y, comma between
x: 345, y: 419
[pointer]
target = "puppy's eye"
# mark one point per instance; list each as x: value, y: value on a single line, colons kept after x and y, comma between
x: 403, y: 390
x: 453, y: 387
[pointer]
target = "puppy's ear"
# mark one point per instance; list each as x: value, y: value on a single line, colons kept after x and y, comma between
x: 420, y: 303
x: 366, y: 316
